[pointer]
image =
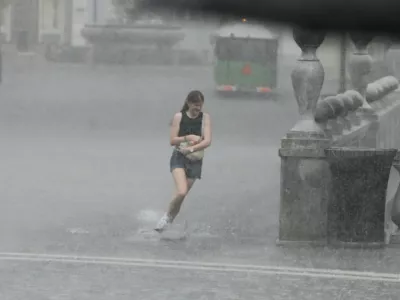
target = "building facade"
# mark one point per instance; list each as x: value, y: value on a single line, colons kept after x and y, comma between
x: 19, y: 23
x: 41, y: 20
x: 62, y: 20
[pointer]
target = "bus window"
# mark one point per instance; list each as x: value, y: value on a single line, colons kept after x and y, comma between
x: 249, y: 50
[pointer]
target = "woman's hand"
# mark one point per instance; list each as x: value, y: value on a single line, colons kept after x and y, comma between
x: 193, y: 139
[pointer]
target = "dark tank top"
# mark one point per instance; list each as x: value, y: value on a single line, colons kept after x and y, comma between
x: 190, y: 126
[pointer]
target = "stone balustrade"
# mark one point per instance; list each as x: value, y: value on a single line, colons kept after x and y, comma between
x: 337, y: 159
x: 381, y: 88
x: 336, y: 113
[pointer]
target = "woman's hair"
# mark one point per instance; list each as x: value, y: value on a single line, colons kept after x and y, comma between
x: 192, y: 97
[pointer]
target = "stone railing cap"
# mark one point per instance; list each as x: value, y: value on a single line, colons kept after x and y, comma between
x: 352, y: 152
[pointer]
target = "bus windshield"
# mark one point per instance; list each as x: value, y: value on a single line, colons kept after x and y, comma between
x: 249, y: 50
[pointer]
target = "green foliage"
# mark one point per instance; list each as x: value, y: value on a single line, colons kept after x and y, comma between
x: 125, y: 3
x: 129, y: 9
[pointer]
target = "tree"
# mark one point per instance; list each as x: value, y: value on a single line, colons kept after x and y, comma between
x: 129, y: 10
x: 124, y: 9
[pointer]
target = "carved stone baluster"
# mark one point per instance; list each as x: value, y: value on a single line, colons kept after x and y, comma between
x: 360, y: 65
x: 387, y: 67
x: 307, y: 79
x: 381, y: 67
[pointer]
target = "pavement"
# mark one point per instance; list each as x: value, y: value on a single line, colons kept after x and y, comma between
x: 85, y: 178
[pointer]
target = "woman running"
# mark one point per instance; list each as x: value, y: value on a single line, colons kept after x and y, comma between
x: 192, y: 127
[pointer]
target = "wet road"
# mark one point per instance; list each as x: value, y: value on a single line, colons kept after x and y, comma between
x: 104, y: 281
x: 85, y: 172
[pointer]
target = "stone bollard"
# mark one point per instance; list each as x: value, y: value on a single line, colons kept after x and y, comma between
x: 356, y: 209
x: 304, y: 171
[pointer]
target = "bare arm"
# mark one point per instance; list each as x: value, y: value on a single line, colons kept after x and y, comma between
x: 174, y: 139
x: 207, y: 134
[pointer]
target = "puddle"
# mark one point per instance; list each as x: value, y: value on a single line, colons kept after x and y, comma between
x: 149, y: 216
x: 175, y: 233
x: 77, y: 231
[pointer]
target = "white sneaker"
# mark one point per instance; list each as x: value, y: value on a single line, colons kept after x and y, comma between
x: 163, y: 223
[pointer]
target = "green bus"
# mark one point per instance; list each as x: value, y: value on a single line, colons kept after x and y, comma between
x: 245, y: 58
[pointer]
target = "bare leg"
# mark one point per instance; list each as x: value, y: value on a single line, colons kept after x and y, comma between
x: 180, y: 194
x: 182, y: 187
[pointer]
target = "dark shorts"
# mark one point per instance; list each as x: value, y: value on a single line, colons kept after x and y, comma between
x: 192, y: 168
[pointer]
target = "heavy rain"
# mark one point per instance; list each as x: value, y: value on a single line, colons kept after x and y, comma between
x: 87, y: 96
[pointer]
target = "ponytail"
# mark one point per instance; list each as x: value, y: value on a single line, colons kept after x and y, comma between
x: 185, y: 107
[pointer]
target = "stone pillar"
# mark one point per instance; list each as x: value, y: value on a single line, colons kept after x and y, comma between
x: 304, y: 170
x: 360, y: 65
x: 356, y: 211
